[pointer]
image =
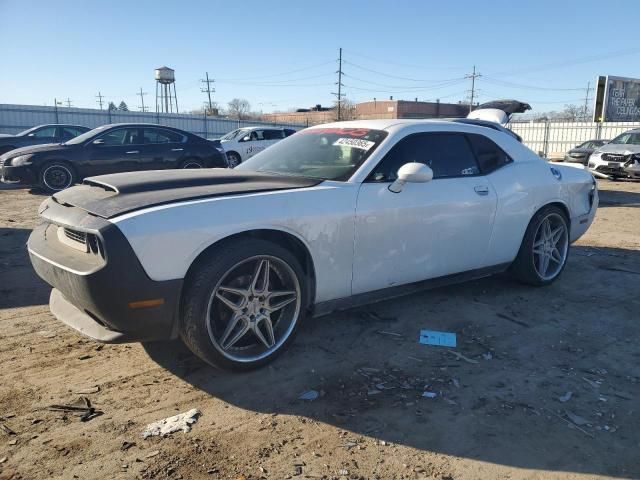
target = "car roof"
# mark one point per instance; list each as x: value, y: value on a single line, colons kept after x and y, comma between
x: 395, y: 123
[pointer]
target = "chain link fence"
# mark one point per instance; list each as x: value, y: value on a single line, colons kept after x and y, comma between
x: 16, y: 118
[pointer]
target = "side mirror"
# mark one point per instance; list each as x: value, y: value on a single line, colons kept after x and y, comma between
x: 99, y: 141
x: 411, y: 173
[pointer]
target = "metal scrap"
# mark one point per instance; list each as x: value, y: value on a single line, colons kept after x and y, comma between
x: 81, y: 407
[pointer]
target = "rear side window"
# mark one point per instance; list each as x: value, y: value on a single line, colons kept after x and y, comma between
x: 448, y: 155
x: 156, y: 135
x: 490, y: 156
x: 273, y: 134
x: 47, y: 132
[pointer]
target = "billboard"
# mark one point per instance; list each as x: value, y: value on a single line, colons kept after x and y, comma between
x: 617, y: 99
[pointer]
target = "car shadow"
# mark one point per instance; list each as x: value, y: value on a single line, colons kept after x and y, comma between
x: 617, y: 198
x: 25, y: 288
x: 521, y: 347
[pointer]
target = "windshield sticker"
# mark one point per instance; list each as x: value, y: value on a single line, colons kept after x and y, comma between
x: 355, y: 143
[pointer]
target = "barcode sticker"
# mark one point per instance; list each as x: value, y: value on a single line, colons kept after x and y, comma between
x: 355, y: 143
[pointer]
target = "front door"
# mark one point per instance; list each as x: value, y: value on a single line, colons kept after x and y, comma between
x: 117, y: 150
x: 428, y: 229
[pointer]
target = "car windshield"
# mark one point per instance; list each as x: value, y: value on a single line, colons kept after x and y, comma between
x: 632, y: 138
x: 26, y: 132
x: 232, y: 135
x: 86, y: 136
x: 326, y: 153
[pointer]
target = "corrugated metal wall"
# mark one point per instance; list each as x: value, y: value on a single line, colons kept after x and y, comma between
x: 552, y: 139
x: 15, y: 118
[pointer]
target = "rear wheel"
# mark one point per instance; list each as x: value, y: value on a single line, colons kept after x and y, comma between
x: 57, y: 176
x: 242, y: 306
x: 192, y: 163
x: 545, y: 248
x: 234, y: 159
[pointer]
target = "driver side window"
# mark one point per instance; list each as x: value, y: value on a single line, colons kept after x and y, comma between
x: 448, y: 155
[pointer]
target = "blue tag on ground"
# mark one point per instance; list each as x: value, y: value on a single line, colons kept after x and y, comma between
x: 441, y: 339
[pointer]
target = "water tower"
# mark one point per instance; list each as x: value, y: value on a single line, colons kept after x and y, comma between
x: 165, y: 100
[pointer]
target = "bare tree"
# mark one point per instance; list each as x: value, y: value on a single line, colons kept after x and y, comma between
x: 239, y: 108
x: 347, y: 110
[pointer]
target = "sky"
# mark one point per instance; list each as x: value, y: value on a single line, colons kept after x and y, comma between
x: 281, y: 55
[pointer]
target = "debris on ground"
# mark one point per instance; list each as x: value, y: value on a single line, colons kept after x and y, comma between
x: 576, y: 419
x: 566, y: 397
x: 87, y: 390
x: 487, y: 356
x: 178, y: 423
x: 82, y: 407
x: 3, y: 459
x: 428, y: 394
x: 392, y: 334
x: 152, y: 454
x: 309, y: 395
x: 513, y: 320
x: 460, y: 356
x: 440, y: 339
x: 6, y: 429
x: 127, y: 445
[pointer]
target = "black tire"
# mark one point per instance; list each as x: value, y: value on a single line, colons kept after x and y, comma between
x: 192, y: 163
x: 56, y: 176
x: 524, y: 267
x: 200, y: 293
x: 233, y: 159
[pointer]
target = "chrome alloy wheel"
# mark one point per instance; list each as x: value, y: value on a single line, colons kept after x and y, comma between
x: 550, y: 246
x: 254, y: 308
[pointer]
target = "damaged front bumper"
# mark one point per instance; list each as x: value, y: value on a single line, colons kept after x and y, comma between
x: 99, y: 285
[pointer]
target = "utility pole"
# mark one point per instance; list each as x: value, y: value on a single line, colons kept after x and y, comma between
x: 99, y: 97
x: 473, y: 77
x: 142, y: 94
x: 339, y: 95
x: 68, y: 102
x: 586, y: 100
x: 55, y: 105
x: 208, y: 89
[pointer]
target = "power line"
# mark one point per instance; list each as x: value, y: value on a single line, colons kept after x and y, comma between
x: 208, y: 89
x: 142, y: 94
x: 99, y: 97
x: 504, y: 83
x: 370, y: 70
x: 339, y: 95
x: 473, y: 77
x: 406, y: 88
x: 279, y: 74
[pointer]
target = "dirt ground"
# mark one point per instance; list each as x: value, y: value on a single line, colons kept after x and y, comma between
x: 497, y: 413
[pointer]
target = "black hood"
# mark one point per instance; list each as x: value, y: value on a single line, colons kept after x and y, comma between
x: 108, y: 196
x: 47, y: 147
x: 507, y: 106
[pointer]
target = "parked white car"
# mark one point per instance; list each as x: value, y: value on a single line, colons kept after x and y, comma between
x: 233, y: 261
x: 244, y: 143
x: 618, y: 158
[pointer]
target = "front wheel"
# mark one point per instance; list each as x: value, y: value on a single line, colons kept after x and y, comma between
x: 57, y: 176
x: 243, y: 304
x: 545, y: 248
x: 233, y: 159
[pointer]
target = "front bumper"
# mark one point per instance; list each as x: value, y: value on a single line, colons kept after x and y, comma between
x: 105, y: 294
x: 20, y: 174
x: 581, y: 159
x: 615, y: 169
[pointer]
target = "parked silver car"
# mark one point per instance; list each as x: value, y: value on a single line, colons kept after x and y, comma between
x: 618, y: 158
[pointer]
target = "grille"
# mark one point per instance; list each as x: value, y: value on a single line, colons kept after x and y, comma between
x: 75, y: 235
x: 613, y: 157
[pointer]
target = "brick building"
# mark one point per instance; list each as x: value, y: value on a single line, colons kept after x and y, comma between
x: 371, y: 110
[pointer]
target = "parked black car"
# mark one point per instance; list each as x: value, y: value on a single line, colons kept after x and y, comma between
x: 53, y: 133
x: 582, y: 152
x: 113, y: 148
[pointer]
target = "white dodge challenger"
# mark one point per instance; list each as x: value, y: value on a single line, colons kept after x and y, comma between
x: 232, y: 261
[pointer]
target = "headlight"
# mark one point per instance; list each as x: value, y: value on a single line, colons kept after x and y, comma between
x: 19, y: 160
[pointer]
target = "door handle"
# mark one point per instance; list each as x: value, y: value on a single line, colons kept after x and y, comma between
x: 177, y: 149
x: 133, y: 151
x: 482, y: 190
